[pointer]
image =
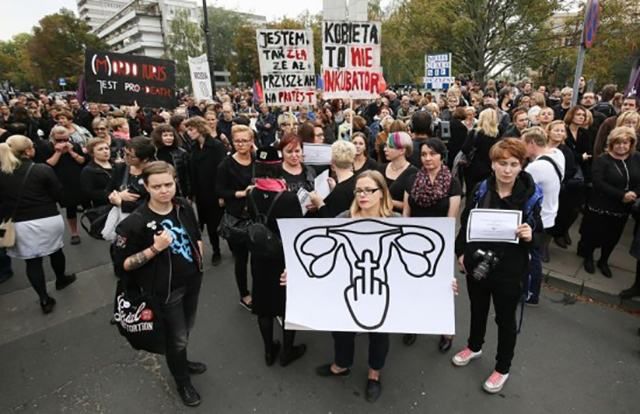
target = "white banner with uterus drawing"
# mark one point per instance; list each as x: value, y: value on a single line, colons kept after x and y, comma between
x: 370, y: 275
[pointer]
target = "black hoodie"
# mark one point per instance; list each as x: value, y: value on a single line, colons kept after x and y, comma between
x: 514, y: 258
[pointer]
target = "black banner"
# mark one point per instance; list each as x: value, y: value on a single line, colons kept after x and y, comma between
x: 120, y: 79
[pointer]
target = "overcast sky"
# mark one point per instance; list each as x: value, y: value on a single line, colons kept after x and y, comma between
x: 21, y: 15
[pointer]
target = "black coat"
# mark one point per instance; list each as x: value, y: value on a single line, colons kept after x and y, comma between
x: 610, y: 183
x: 121, y: 180
x: 68, y: 172
x: 95, y: 183
x: 204, y: 171
x: 480, y: 167
x: 133, y: 235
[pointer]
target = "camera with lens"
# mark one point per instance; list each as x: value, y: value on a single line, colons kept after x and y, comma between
x: 487, y: 260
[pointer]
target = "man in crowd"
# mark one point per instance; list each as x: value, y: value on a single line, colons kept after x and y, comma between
x: 630, y: 103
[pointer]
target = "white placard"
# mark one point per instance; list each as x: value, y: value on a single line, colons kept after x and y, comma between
x: 383, y: 275
x: 200, y: 77
x: 437, y: 71
x: 286, y: 66
x: 351, y: 59
x: 491, y: 225
x: 321, y: 184
x: 317, y: 154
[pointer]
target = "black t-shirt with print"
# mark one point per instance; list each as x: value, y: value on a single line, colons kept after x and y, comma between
x: 184, y: 263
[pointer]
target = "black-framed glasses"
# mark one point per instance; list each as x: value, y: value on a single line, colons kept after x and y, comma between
x: 364, y: 191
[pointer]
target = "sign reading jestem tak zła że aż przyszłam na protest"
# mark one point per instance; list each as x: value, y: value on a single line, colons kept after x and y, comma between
x: 121, y: 79
x: 286, y: 66
x: 351, y: 59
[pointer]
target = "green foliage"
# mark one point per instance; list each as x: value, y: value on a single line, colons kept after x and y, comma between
x: 223, y: 25
x: 186, y: 40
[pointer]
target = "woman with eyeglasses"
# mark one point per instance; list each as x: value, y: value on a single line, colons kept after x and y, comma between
x: 127, y: 189
x: 372, y: 200
x: 234, y: 182
x: 67, y: 160
x: 29, y: 195
x: 398, y: 172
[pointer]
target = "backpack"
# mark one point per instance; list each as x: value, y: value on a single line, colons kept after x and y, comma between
x: 534, y: 199
x: 262, y: 241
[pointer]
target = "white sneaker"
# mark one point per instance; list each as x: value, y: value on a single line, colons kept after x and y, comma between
x: 495, y: 382
x: 465, y: 356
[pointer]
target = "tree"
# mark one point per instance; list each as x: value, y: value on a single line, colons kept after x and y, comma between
x: 244, y: 65
x: 15, y: 62
x: 56, y: 49
x: 184, y: 41
x: 224, y: 26
x: 485, y: 37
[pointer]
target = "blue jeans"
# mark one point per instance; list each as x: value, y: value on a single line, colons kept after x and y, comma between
x: 535, y: 275
x: 179, y: 317
x: 5, y: 265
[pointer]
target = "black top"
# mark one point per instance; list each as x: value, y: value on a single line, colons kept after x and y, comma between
x: 232, y: 177
x: 397, y: 186
x: 303, y: 180
x: 68, y: 172
x: 133, y: 183
x: 180, y: 159
x: 95, y: 183
x: 339, y: 199
x: 41, y: 192
x: 369, y: 164
x: 579, y: 145
x: 611, y: 180
x: 183, y: 258
x: 204, y: 171
x: 480, y: 167
x: 441, y: 208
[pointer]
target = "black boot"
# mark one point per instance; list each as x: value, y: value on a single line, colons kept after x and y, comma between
x: 588, y: 265
x: 604, y: 269
x: 270, y: 356
x: 65, y: 281
x: 290, y: 355
x: 632, y: 292
x: 188, y: 394
x: 47, y: 305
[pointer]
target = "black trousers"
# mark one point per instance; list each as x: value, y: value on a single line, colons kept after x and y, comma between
x: 569, y: 203
x: 179, y: 316
x: 35, y: 272
x: 599, y: 230
x: 210, y: 217
x: 344, y: 344
x: 506, y: 296
x: 240, y: 253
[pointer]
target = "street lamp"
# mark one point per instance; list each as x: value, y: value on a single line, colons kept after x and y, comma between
x: 209, y: 48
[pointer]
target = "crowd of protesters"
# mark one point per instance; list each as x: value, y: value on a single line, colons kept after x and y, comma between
x: 408, y: 153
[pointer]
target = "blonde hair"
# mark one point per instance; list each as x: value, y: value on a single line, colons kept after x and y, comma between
x: 620, y: 133
x: 343, y: 153
x: 535, y: 135
x: 12, y: 151
x: 386, y: 203
x: 57, y: 129
x: 626, y: 116
x: 237, y: 129
x: 488, y: 122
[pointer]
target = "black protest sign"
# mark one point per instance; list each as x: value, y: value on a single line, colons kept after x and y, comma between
x: 120, y: 79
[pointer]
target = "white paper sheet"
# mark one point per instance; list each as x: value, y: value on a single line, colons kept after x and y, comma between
x: 370, y: 275
x: 317, y: 154
x: 321, y: 184
x: 491, y: 225
x: 304, y: 198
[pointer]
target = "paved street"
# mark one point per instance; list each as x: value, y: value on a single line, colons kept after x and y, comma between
x: 582, y: 357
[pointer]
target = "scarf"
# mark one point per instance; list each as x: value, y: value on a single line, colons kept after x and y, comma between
x: 271, y: 184
x: 427, y: 194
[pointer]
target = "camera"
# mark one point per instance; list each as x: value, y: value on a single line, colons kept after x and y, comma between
x: 487, y: 261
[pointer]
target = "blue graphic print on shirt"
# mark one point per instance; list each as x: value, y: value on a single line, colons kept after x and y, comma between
x: 180, y: 243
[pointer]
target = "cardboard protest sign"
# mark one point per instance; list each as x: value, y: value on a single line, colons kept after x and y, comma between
x: 351, y: 59
x: 200, y: 77
x: 287, y: 66
x: 438, y: 71
x: 370, y: 275
x: 121, y: 79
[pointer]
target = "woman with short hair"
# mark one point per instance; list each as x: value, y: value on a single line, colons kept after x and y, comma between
x: 398, y: 171
x: 29, y: 195
x: 169, y: 148
x: 96, y: 175
x: 294, y: 171
x: 127, y: 189
x: 343, y: 154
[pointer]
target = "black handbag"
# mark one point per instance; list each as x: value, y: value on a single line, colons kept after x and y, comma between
x: 261, y: 240
x: 94, y: 219
x: 234, y: 229
x: 138, y: 316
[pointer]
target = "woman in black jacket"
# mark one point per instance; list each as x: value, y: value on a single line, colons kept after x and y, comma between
x: 159, y: 248
x: 96, y: 175
x: 169, y: 148
x: 126, y: 188
x: 28, y: 195
x: 234, y: 181
x: 476, y: 147
x: 616, y: 186
x: 207, y: 153
x: 509, y: 188
x: 67, y: 160
x: 343, y: 154
x: 268, y: 296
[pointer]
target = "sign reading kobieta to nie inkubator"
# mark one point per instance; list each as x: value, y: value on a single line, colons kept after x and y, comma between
x: 287, y: 66
x: 121, y: 79
x: 351, y: 59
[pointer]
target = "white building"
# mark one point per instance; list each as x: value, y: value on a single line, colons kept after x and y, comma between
x: 96, y: 12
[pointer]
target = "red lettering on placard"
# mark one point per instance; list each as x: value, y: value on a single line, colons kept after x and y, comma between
x: 361, y: 57
x: 297, y: 54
